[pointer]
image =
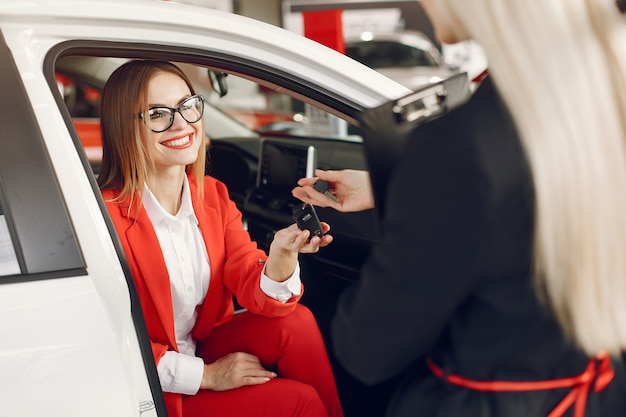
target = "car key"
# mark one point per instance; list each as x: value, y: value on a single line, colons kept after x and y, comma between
x: 323, y: 187
x: 306, y: 219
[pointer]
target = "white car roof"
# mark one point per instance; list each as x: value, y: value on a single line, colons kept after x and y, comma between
x: 187, y: 26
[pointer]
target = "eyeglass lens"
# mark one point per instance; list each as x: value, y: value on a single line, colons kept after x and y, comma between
x: 161, y: 118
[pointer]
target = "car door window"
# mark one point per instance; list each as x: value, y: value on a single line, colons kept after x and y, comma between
x: 246, y: 111
x: 268, y: 111
x: 41, y: 237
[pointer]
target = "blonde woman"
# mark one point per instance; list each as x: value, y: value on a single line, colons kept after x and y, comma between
x: 499, y: 285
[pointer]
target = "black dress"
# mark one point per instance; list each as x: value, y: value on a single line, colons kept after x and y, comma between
x: 450, y: 279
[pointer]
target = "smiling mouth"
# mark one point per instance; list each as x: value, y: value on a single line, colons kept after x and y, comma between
x: 177, y: 143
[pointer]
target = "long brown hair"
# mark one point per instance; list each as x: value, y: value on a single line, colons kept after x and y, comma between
x: 125, y: 159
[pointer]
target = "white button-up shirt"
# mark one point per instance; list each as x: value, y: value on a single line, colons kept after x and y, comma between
x: 187, y: 262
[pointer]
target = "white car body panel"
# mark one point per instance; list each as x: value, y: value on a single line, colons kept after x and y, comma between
x: 52, y: 367
x: 91, y: 364
x: 189, y: 26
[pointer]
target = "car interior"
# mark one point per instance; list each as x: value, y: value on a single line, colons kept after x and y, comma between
x: 264, y: 131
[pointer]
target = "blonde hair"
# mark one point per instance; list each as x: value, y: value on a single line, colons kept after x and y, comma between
x: 560, y: 66
x: 125, y: 161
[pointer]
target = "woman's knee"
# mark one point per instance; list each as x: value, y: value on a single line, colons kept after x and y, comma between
x: 300, y: 323
x: 302, y: 398
x: 280, y: 397
x: 300, y: 319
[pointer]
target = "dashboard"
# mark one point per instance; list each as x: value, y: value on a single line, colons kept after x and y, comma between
x: 261, y: 184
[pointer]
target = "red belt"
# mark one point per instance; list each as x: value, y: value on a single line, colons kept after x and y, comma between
x: 598, y: 374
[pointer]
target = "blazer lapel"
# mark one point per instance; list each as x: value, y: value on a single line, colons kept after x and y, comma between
x: 147, y: 254
x: 210, y: 226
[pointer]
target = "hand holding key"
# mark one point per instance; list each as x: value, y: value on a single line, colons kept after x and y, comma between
x: 323, y: 187
x: 349, y: 190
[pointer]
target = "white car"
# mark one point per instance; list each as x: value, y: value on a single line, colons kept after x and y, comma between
x: 73, y: 341
x: 408, y: 57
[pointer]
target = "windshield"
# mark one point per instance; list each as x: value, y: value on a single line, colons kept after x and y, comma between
x: 386, y: 54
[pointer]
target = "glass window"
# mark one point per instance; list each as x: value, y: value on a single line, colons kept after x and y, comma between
x: 386, y: 54
x: 246, y: 111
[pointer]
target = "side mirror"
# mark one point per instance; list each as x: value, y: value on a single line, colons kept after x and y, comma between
x: 218, y: 82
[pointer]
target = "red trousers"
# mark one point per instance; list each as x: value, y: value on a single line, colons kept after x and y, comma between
x: 293, y: 347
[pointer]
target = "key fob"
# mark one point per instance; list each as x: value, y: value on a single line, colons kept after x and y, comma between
x: 306, y: 219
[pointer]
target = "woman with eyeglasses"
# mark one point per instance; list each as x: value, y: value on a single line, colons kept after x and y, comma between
x: 189, y: 255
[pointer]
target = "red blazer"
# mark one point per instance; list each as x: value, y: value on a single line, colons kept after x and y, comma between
x: 235, y: 260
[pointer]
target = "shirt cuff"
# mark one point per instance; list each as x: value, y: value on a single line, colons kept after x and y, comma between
x: 282, y: 291
x: 180, y: 373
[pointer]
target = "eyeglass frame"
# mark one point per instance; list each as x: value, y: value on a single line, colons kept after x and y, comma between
x: 173, y: 111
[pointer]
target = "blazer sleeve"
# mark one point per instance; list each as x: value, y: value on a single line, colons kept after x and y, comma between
x: 158, y: 350
x: 243, y: 262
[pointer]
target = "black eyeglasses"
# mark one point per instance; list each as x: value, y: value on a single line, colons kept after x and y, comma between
x: 161, y: 118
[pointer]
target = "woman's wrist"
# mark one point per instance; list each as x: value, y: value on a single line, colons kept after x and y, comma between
x: 281, y: 263
x: 207, y: 378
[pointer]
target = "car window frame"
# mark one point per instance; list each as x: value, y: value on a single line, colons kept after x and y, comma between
x: 55, y: 253
x: 264, y: 74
